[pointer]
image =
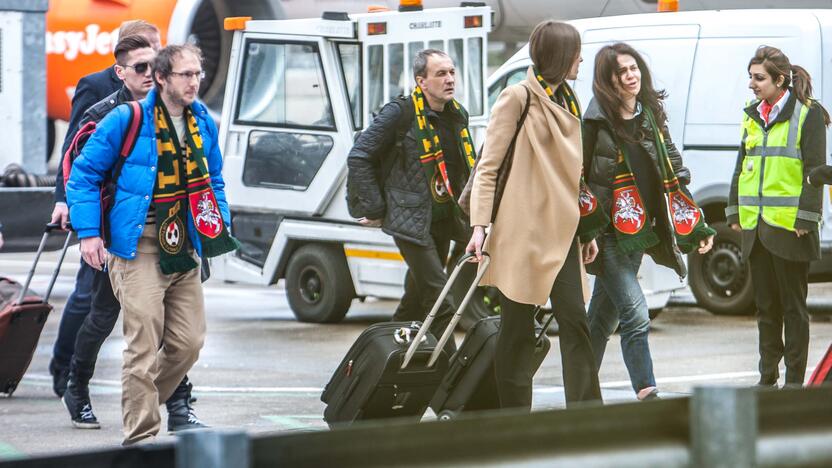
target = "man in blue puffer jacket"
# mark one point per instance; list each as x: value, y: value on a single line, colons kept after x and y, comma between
x: 169, y: 210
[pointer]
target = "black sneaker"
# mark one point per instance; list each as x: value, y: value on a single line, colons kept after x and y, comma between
x: 60, y: 377
x: 184, y: 422
x: 80, y: 411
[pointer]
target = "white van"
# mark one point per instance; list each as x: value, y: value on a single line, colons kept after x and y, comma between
x: 701, y: 59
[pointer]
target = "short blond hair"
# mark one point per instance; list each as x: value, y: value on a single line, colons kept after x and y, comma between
x: 136, y: 28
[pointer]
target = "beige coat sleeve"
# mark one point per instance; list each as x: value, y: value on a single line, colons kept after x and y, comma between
x: 501, y: 127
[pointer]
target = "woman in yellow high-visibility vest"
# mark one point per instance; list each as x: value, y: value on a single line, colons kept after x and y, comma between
x: 776, y: 209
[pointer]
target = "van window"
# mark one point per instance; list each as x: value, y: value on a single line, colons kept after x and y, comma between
x: 350, y: 57
x: 283, y: 85
x: 284, y: 160
x: 375, y: 77
x: 513, y: 77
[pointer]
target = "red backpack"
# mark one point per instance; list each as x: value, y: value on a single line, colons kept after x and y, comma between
x: 108, y: 186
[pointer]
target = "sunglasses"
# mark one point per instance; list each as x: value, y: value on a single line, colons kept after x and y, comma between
x: 141, y: 67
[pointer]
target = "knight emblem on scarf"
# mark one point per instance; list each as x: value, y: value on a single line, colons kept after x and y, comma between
x: 628, y: 214
x: 586, y: 201
x: 207, y: 217
x: 684, y: 213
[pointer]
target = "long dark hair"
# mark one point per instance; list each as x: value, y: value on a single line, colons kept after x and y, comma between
x: 607, y: 82
x: 777, y: 64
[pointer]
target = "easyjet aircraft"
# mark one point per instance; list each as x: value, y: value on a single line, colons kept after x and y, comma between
x: 81, y: 33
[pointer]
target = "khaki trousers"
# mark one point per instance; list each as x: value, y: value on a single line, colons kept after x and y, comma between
x: 164, y: 327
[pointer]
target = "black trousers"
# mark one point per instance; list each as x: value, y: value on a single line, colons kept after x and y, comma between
x: 780, y: 290
x: 423, y: 283
x: 516, y: 342
x: 97, y: 326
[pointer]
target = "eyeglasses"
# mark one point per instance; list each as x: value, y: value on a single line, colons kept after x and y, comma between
x: 141, y: 67
x: 189, y: 75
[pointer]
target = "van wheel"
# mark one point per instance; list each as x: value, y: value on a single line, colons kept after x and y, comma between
x: 720, y: 280
x: 318, y: 284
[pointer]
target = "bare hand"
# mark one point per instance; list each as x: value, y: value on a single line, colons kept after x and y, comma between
x: 60, y: 214
x: 475, y: 244
x: 589, y: 251
x: 801, y: 232
x: 369, y: 222
x: 736, y: 227
x: 706, y: 244
x: 92, y: 251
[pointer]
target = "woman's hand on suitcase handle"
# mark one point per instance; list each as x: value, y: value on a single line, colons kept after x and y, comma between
x: 92, y: 251
x: 475, y: 244
x: 589, y: 251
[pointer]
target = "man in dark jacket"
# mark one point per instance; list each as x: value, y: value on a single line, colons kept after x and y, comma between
x: 91, y: 89
x: 406, y: 182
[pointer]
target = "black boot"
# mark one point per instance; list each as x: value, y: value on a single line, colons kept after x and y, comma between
x: 60, y: 376
x: 181, y: 415
x: 76, y: 400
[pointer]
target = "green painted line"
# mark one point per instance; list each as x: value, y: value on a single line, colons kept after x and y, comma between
x: 9, y: 452
x: 291, y: 422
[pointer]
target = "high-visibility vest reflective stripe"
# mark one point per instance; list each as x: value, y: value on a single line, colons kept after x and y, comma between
x: 771, y: 179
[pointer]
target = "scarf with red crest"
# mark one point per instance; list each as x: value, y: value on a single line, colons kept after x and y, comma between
x: 629, y: 215
x: 183, y: 188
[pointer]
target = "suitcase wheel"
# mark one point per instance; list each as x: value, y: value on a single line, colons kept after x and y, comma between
x: 447, y: 415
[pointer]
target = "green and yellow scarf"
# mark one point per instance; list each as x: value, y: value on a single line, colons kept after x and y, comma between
x: 593, y: 221
x: 433, y: 160
x: 629, y: 215
x: 180, y: 180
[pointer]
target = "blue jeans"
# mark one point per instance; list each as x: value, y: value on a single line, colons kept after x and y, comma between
x: 618, y: 299
x: 76, y: 309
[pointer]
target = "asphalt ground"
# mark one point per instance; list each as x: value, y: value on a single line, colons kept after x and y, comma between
x: 261, y: 370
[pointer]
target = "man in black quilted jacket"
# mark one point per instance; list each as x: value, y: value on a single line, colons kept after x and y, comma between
x: 406, y: 171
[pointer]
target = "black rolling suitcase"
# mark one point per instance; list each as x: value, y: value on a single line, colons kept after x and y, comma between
x: 470, y: 383
x: 22, y: 316
x: 393, y: 369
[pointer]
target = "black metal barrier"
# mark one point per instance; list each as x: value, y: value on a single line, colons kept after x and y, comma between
x: 717, y: 426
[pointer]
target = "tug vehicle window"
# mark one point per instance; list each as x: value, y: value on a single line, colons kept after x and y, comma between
x: 350, y: 57
x: 284, y: 160
x: 286, y: 87
x: 375, y: 75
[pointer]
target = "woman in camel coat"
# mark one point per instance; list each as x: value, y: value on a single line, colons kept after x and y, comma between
x: 535, y: 254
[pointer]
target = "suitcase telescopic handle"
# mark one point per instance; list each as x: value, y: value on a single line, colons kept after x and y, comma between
x: 47, y: 230
x: 411, y: 350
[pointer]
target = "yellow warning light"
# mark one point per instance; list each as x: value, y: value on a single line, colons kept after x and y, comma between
x: 236, y: 23
x: 410, y: 5
x: 668, y: 5
x: 377, y: 8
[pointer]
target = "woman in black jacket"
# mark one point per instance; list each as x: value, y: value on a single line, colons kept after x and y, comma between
x: 637, y: 174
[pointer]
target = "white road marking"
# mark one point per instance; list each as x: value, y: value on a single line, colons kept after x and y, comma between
x: 538, y: 389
